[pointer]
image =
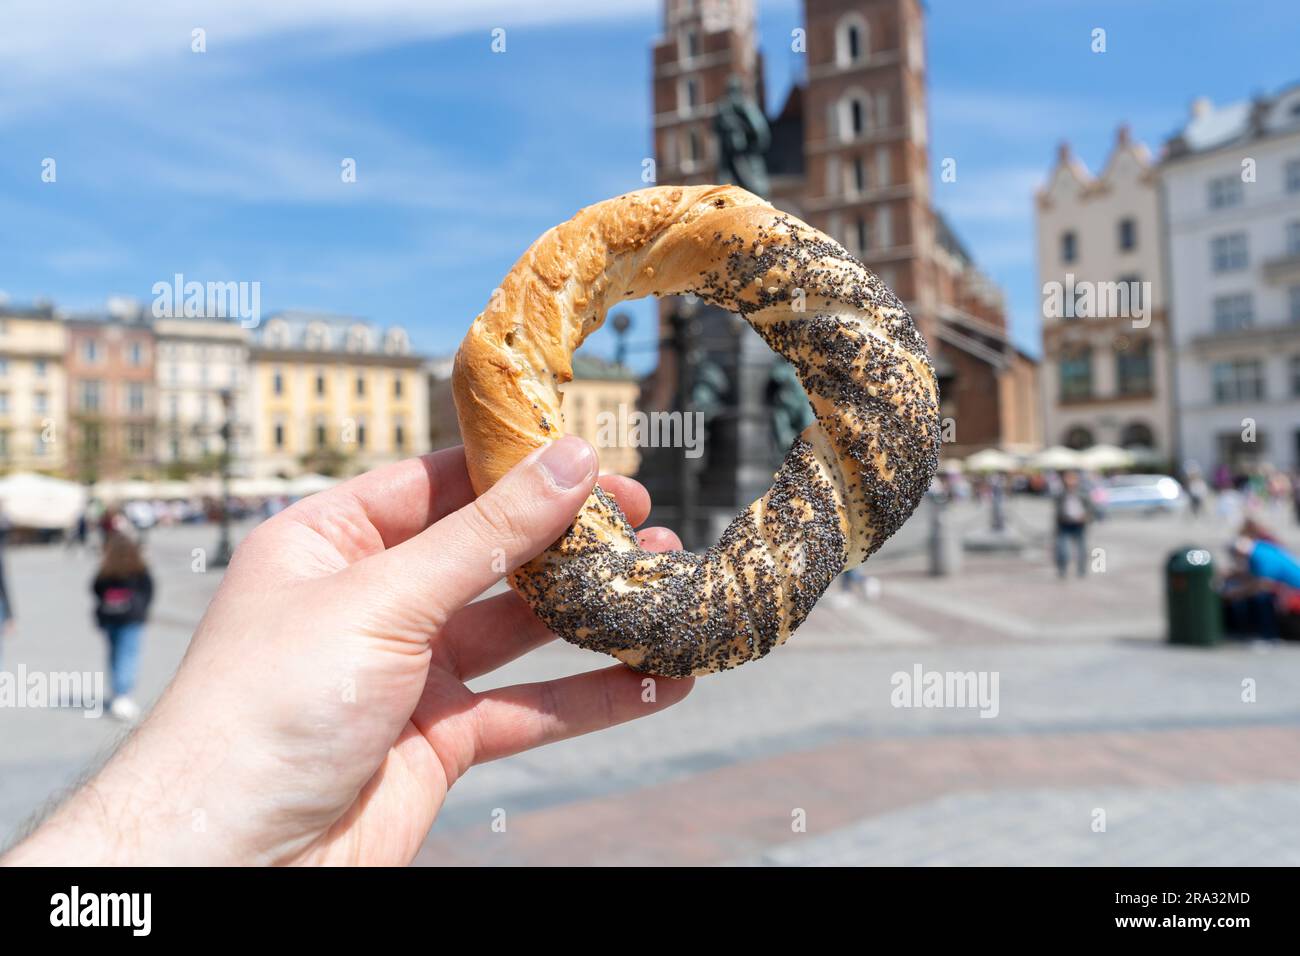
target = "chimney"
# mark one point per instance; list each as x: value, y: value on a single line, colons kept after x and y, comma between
x: 1123, y: 135
x: 1062, y: 153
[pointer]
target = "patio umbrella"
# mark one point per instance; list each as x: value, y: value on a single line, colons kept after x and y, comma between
x: 991, y: 459
x: 38, y: 501
x: 1106, y: 457
x: 1057, y: 458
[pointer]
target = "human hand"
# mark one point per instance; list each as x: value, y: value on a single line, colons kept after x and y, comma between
x: 320, y: 714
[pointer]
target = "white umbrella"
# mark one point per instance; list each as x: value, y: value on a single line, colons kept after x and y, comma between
x: 258, y: 487
x: 38, y: 501
x: 1057, y: 458
x: 991, y: 459
x: 123, y: 490
x: 171, y: 490
x: 310, y: 484
x: 1106, y: 457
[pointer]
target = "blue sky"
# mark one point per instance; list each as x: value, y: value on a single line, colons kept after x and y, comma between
x: 225, y: 165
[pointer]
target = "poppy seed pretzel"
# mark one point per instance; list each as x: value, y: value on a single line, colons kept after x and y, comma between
x: 848, y: 482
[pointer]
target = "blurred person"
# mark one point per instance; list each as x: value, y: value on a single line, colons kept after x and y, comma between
x: 123, y: 592
x: 365, y: 586
x: 1266, y: 558
x: 1074, y: 509
x: 1197, y: 491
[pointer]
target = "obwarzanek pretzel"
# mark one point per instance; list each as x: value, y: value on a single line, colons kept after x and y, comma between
x: 848, y: 482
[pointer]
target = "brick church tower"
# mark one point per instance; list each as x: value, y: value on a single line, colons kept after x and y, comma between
x: 867, y: 178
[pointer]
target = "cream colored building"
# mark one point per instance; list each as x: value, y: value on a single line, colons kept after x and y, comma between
x: 1105, y: 368
x: 200, y: 361
x: 33, y: 390
x: 332, y: 393
x: 599, y: 405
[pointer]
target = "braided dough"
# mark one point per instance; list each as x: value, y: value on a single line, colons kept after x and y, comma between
x: 849, y: 481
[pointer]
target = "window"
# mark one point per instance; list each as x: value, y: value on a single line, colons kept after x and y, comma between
x: 320, y: 383
x: 857, y: 117
x: 41, y: 402
x: 1133, y: 369
x: 1293, y: 176
x: 397, y: 385
x: 884, y: 175
x: 39, y: 367
x: 689, y: 45
x: 1079, y: 438
x: 1293, y: 238
x: 1234, y: 312
x: 90, y: 351
x: 135, y: 354
x: 399, y: 437
x: 688, y: 95
x: 1228, y: 253
x: 4, y: 403
x: 1295, y: 376
x: 40, y: 443
x: 90, y: 396
x: 1235, y: 452
x: 859, y: 176
x: 277, y: 382
x: 1076, y: 375
x: 1137, y: 435
x: 174, y: 406
x: 321, y: 436
x: 136, y: 440
x: 1293, y: 302
x: 1239, y: 380
x: 4, y: 365
x: 861, y: 236
x: 1127, y: 234
x: 90, y: 439
x: 361, y: 386
x: 135, y: 398
x: 1069, y: 246
x: 851, y: 40
x: 694, y: 149
x: 1225, y: 191
x: 4, y: 444
x: 279, y: 434
x: 361, y: 434
x: 885, y: 226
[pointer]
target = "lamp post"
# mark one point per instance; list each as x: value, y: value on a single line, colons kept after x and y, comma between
x: 621, y: 323
x: 224, y: 548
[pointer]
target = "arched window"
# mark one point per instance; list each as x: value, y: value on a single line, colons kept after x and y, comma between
x: 277, y: 334
x: 854, y: 115
x: 396, y: 341
x: 852, y: 40
x: 358, y: 338
x: 1079, y: 438
x: 1137, y: 435
x: 317, y: 337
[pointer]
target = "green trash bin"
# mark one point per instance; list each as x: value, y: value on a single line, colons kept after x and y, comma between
x: 1192, y: 606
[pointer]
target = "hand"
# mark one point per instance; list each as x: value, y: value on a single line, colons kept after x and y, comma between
x: 320, y: 714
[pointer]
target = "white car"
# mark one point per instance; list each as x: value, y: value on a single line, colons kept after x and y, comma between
x: 1145, y: 493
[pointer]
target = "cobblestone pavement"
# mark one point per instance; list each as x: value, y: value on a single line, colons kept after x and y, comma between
x: 1191, y: 755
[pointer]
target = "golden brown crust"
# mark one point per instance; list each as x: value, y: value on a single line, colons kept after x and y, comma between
x: 847, y: 484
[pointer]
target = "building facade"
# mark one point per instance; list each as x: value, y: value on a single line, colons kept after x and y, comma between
x: 201, y: 368
x: 33, y: 390
x: 1230, y: 191
x: 333, y: 394
x: 849, y: 155
x: 600, y: 405
x: 111, y: 385
x: 1105, y: 375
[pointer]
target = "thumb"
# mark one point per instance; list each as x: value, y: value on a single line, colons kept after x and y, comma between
x: 432, y: 575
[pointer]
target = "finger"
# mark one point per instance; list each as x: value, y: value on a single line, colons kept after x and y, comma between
x: 659, y: 539
x: 385, y: 507
x: 512, y: 719
x: 435, y: 573
x: 492, y: 632
x: 631, y: 496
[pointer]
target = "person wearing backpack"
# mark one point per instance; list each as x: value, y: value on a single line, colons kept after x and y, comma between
x: 123, y: 591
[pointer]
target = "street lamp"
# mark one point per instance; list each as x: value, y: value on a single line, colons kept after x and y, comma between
x: 621, y: 323
x: 225, y: 551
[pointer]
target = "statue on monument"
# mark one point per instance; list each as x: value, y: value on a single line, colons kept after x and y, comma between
x: 743, y: 140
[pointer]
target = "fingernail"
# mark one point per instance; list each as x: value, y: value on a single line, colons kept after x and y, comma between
x: 569, y: 462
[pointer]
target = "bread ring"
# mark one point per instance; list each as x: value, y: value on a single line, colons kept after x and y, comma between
x: 848, y: 482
